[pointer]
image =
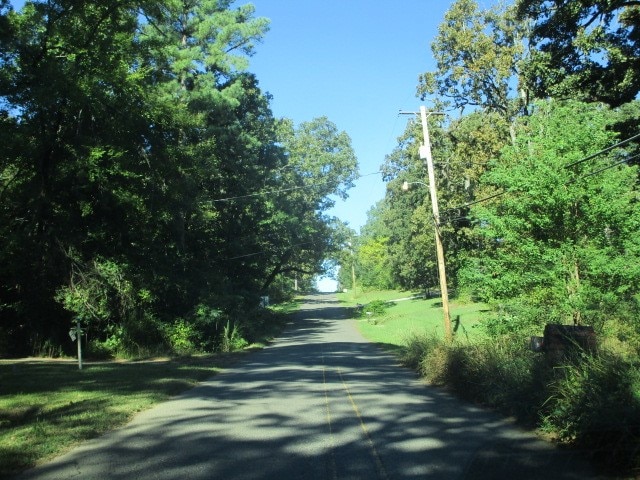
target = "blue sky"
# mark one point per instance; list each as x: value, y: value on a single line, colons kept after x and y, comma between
x: 356, y: 62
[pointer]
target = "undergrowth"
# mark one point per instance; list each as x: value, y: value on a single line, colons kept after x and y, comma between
x: 589, y: 401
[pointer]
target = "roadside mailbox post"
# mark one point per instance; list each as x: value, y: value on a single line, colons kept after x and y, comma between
x: 76, y: 334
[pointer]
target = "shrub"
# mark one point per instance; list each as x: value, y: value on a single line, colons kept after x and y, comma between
x: 99, y: 350
x: 374, y: 310
x: 232, y: 339
x: 182, y: 337
x: 594, y: 402
x: 591, y: 401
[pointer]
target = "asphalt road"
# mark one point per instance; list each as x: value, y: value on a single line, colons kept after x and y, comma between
x: 319, y: 403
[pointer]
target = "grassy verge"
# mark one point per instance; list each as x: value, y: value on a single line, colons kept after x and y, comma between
x: 405, y: 317
x: 588, y: 401
x: 48, y: 406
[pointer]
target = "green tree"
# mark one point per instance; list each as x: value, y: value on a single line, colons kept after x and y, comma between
x: 478, y: 57
x: 70, y: 153
x: 405, y: 213
x: 373, y: 260
x: 320, y: 162
x: 123, y: 121
x: 559, y: 244
x: 588, y: 50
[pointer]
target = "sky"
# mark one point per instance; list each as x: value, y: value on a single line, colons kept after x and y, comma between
x: 356, y: 62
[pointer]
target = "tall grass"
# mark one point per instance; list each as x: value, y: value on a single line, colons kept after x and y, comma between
x: 496, y: 373
x: 594, y: 402
x: 591, y: 401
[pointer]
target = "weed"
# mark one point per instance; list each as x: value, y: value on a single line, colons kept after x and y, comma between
x: 594, y: 402
x: 232, y: 339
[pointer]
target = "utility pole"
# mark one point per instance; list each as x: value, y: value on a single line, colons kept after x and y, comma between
x: 353, y: 269
x: 425, y: 154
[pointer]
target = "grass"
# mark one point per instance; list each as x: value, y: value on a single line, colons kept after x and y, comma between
x: 588, y: 401
x: 406, y: 318
x: 49, y: 406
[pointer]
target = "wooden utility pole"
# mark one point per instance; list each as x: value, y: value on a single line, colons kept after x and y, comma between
x: 425, y: 153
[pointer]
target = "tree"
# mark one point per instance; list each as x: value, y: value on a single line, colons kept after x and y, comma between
x: 320, y: 162
x: 143, y: 177
x: 588, y: 50
x: 70, y: 153
x: 409, y: 225
x: 560, y: 239
x: 478, y: 56
x: 373, y: 261
x: 120, y: 131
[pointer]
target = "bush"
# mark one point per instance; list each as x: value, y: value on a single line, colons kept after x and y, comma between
x: 430, y: 356
x: 590, y: 401
x: 99, y: 350
x: 232, y: 339
x: 374, y: 310
x: 495, y: 372
x: 182, y: 337
x: 516, y: 317
x: 594, y: 402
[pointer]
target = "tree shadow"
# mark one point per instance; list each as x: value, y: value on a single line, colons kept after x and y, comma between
x: 320, y: 403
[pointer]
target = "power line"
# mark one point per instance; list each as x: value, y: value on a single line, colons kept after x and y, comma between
x: 247, y: 255
x: 624, y: 142
x: 626, y: 160
x: 596, y: 172
x: 608, y: 149
x: 282, y: 190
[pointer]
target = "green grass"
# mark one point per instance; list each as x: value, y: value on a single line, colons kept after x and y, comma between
x: 406, y: 318
x: 49, y: 406
x: 368, y: 296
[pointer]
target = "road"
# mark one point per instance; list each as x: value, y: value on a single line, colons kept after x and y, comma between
x: 319, y: 403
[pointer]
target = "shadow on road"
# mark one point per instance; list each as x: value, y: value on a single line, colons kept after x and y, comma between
x: 320, y: 403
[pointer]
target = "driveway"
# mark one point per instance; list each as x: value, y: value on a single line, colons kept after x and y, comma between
x: 319, y: 403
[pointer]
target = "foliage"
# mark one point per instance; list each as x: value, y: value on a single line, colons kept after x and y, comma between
x: 560, y: 234
x: 478, y: 55
x: 231, y: 339
x: 592, y: 401
x: 142, y: 172
x: 496, y: 372
x: 182, y: 337
x: 376, y: 308
x: 373, y: 262
x: 595, y: 403
x: 587, y: 50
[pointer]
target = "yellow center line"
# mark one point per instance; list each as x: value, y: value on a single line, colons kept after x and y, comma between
x: 382, y: 472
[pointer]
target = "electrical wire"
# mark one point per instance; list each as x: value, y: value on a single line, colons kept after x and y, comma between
x: 596, y: 172
x: 626, y: 160
x: 282, y: 190
x: 247, y: 255
x: 608, y: 149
